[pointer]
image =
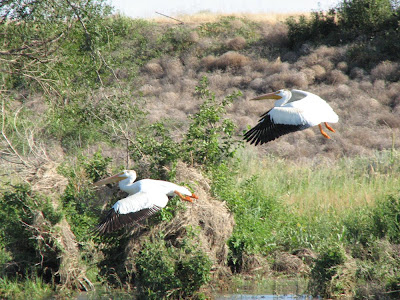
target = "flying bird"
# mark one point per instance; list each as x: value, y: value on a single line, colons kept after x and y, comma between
x: 294, y: 110
x: 146, y: 197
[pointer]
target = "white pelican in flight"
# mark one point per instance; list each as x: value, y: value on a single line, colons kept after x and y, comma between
x: 293, y: 111
x: 146, y: 197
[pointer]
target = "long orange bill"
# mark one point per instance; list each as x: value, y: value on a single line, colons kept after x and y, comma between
x: 323, y: 132
x: 329, y: 127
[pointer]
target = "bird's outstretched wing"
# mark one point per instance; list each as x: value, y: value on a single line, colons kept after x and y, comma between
x: 115, y: 220
x: 132, y: 210
x: 267, y: 130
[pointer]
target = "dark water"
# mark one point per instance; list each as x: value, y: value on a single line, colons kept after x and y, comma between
x: 267, y: 297
x: 282, y: 289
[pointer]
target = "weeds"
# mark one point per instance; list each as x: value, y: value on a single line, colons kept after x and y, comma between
x: 166, y: 271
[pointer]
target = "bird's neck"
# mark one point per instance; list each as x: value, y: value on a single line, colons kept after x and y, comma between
x: 127, y: 185
x: 285, y: 99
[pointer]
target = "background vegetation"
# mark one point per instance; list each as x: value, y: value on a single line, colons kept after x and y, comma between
x: 85, y: 93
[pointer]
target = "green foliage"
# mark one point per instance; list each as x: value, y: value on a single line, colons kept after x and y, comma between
x: 164, y: 271
x: 96, y: 168
x: 386, y: 218
x: 49, y: 40
x: 210, y: 139
x: 24, y: 215
x: 228, y: 27
x: 256, y: 215
x: 359, y: 228
x: 32, y: 288
x: 378, y: 222
x: 321, y: 27
x: 371, y: 27
x: 366, y: 16
x: 80, y: 203
x: 325, y: 268
x: 156, y: 145
x: 84, y: 121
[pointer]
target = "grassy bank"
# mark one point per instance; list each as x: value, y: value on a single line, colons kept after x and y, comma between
x: 90, y: 94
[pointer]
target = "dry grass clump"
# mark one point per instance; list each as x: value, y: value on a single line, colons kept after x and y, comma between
x: 259, y: 65
x: 237, y: 43
x: 208, y: 62
x: 336, y: 77
x: 149, y: 90
x: 389, y: 120
x: 71, y: 269
x: 289, y: 264
x: 259, y: 85
x: 229, y: 60
x: 154, y: 69
x: 232, y: 60
x: 357, y: 73
x: 173, y: 68
x: 291, y: 79
x: 319, y: 72
x: 342, y: 66
x: 386, y: 70
x: 276, y: 66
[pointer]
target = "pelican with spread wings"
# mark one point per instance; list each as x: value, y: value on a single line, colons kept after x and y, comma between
x: 146, y: 197
x: 294, y: 110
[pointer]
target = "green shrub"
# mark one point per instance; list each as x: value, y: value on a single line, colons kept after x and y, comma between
x: 154, y: 144
x: 164, y: 271
x: 25, y: 216
x: 370, y: 27
x: 320, y: 28
x: 79, y: 200
x: 325, y: 268
x: 210, y: 138
x: 366, y: 16
x: 386, y: 218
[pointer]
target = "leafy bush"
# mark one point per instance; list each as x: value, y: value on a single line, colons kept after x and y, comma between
x: 325, y: 268
x: 155, y: 145
x: 164, y: 271
x: 370, y: 26
x: 210, y: 138
x: 379, y: 222
x: 24, y: 216
x: 320, y: 28
x: 366, y: 16
x: 79, y: 200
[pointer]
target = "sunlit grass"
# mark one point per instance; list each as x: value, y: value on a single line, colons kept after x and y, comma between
x: 324, y: 187
x: 33, y: 288
x: 209, y: 17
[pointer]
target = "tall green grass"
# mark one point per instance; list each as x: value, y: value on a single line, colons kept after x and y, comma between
x: 33, y: 288
x: 309, y: 188
x: 285, y: 205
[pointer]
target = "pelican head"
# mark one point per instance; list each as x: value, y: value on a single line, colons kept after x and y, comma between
x: 131, y: 174
x: 282, y: 96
